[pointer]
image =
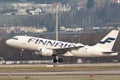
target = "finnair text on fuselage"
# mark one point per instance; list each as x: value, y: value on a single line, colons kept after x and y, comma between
x: 50, y: 43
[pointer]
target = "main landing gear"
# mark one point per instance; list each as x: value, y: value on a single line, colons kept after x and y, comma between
x: 56, y: 59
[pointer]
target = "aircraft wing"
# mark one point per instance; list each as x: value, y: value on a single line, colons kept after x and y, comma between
x: 64, y: 50
x: 108, y: 52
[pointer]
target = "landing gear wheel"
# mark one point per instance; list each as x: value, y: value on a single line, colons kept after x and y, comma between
x: 55, y: 60
x: 60, y: 60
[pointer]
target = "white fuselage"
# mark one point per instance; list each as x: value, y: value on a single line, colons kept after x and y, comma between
x: 47, y: 46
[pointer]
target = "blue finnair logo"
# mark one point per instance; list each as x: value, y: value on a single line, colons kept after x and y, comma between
x: 108, y: 40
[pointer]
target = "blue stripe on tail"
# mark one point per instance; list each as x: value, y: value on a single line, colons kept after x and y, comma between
x: 108, y: 40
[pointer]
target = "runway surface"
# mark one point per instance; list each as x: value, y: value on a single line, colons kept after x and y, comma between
x: 60, y: 65
x: 63, y: 73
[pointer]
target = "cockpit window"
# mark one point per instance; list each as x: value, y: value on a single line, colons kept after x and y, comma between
x: 15, y: 38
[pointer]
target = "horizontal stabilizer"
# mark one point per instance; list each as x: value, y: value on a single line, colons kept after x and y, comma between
x: 108, y: 52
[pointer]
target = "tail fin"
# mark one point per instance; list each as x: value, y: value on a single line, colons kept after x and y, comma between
x: 109, y: 40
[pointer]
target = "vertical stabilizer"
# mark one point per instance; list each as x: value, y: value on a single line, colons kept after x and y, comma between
x: 109, y: 40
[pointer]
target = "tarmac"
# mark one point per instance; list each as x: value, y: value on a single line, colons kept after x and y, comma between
x: 64, y: 73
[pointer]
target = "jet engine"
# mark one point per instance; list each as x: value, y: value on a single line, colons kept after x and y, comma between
x: 44, y: 52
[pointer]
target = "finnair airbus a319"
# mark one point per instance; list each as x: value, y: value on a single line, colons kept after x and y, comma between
x: 46, y: 47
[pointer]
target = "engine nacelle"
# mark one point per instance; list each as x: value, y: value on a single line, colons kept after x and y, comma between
x: 44, y: 52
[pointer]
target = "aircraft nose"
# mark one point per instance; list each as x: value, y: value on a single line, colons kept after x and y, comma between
x: 8, y: 42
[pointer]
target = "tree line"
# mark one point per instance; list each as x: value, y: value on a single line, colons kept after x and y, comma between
x: 106, y: 15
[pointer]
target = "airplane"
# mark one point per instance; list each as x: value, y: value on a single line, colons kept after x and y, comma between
x: 47, y: 47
